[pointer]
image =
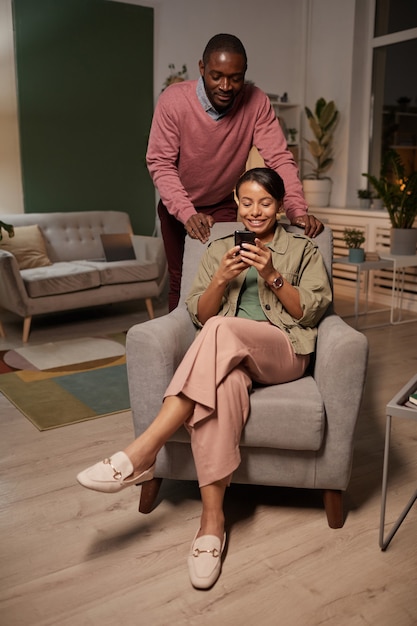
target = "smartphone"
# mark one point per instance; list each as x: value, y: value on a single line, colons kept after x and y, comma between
x: 244, y: 236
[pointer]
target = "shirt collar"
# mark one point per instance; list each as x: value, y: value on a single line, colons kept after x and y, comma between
x: 205, y: 102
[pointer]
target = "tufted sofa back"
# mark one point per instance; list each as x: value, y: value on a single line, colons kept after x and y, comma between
x: 74, y: 235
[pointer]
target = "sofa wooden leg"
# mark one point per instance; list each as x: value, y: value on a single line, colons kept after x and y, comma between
x: 2, y: 332
x: 149, y: 308
x: 26, y: 329
x: 148, y: 494
x: 333, y: 504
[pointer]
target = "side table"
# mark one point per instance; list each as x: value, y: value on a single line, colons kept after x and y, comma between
x: 395, y: 408
x: 400, y: 261
x: 366, y: 267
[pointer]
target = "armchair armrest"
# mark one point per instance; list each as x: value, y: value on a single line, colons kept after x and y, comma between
x: 154, y: 350
x: 13, y: 295
x: 341, y: 355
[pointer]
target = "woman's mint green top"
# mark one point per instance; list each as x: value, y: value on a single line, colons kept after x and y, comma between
x: 249, y: 305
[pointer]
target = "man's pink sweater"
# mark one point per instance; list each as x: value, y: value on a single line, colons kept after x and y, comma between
x: 196, y: 161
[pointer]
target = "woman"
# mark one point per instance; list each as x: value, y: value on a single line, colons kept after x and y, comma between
x: 257, y: 307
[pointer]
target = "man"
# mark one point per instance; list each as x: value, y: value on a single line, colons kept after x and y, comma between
x: 201, y: 135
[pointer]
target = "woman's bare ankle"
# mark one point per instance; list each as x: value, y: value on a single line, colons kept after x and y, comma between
x: 140, y: 459
x: 212, y: 524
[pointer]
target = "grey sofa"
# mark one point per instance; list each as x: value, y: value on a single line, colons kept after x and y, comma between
x: 299, y: 434
x: 79, y: 276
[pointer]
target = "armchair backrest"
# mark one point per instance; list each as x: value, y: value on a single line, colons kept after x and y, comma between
x: 194, y: 250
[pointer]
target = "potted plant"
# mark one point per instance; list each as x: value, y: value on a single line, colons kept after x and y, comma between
x: 175, y: 76
x: 365, y: 197
x: 8, y: 228
x: 398, y: 192
x: 322, y: 122
x: 292, y: 136
x: 354, y: 238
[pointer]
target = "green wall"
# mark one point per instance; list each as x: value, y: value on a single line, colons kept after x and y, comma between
x: 85, y: 98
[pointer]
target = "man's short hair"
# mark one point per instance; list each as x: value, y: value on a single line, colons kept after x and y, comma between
x: 224, y: 43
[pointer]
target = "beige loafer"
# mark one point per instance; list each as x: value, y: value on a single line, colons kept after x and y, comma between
x: 113, y: 475
x: 205, y: 560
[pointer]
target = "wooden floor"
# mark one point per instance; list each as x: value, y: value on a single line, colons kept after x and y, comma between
x: 71, y: 557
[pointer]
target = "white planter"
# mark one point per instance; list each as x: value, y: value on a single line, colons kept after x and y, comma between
x: 403, y: 241
x: 317, y: 191
x: 377, y: 204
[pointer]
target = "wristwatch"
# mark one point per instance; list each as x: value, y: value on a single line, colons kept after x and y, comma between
x: 277, y: 282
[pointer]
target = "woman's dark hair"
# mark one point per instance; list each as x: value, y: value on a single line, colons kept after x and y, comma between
x: 267, y: 178
x: 224, y: 43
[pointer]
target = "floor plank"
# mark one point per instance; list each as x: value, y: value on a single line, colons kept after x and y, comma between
x: 69, y: 556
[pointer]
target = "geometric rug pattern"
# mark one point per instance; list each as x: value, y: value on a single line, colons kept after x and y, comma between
x: 66, y: 382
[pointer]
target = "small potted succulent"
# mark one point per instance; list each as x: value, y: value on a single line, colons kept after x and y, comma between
x: 365, y: 197
x: 354, y: 238
x: 292, y: 136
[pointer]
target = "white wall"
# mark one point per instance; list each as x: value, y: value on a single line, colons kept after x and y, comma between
x: 271, y: 31
x: 304, y: 47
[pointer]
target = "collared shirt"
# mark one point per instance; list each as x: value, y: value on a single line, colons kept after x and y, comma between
x: 205, y: 102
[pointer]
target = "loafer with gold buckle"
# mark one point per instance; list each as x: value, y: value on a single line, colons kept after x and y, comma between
x: 113, y: 475
x: 205, y: 560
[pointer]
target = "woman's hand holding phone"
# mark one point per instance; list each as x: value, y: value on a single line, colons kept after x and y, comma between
x: 255, y: 253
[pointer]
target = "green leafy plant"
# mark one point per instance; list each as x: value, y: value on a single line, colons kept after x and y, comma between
x: 322, y: 123
x: 353, y: 237
x: 292, y: 132
x: 8, y: 228
x: 365, y: 194
x: 397, y: 190
x: 175, y: 76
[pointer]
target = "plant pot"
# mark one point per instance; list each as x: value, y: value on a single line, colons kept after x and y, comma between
x: 317, y: 191
x: 364, y: 203
x: 377, y: 204
x: 356, y: 255
x: 403, y: 241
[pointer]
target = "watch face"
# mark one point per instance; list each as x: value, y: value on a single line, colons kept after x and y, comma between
x: 277, y: 282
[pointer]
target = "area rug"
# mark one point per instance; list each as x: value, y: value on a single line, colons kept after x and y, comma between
x: 66, y: 382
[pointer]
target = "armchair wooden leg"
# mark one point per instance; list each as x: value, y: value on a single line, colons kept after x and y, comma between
x: 333, y: 504
x: 26, y: 328
x: 148, y: 494
x: 149, y: 308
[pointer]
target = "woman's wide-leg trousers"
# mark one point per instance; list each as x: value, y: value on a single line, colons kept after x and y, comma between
x: 217, y: 373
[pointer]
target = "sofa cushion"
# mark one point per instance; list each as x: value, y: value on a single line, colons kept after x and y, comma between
x: 27, y: 246
x: 116, y: 272
x: 59, y: 278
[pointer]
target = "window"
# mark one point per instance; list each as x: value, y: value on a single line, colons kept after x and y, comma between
x: 394, y: 83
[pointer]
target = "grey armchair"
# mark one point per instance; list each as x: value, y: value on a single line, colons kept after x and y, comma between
x: 299, y: 434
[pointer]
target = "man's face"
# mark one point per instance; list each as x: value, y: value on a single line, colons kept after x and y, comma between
x: 224, y: 77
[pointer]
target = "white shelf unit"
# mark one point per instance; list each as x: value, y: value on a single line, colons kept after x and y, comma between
x: 289, y: 116
x: 376, y: 226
